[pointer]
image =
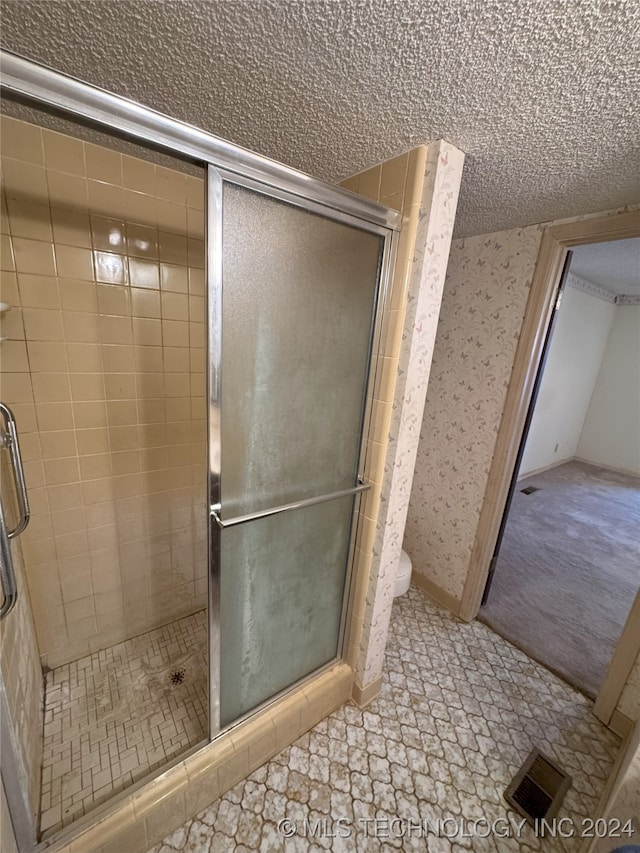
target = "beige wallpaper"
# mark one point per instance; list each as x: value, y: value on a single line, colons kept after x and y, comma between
x: 103, y: 363
x: 485, y: 295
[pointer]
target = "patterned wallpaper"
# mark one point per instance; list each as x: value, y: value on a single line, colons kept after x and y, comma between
x: 485, y: 295
x: 433, y: 238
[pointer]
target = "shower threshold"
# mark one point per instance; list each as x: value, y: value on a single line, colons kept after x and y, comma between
x: 113, y: 717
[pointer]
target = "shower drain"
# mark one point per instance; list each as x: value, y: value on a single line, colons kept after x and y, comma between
x: 177, y: 676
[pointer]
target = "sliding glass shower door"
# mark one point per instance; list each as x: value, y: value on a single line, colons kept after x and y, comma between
x: 292, y: 313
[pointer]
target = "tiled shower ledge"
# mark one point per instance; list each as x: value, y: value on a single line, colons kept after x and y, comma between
x: 459, y: 711
x: 113, y: 717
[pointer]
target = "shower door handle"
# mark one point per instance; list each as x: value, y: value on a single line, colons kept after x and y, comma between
x: 9, y: 439
x: 276, y: 510
x: 7, y: 573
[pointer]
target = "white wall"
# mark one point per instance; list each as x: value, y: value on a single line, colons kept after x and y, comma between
x: 575, y: 354
x: 611, y: 432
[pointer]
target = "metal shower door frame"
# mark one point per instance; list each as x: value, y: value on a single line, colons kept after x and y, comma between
x: 216, y: 178
x: 116, y: 115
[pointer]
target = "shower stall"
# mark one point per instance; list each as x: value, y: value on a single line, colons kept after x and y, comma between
x: 190, y: 334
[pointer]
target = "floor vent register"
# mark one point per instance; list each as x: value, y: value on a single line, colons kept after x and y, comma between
x: 538, y: 788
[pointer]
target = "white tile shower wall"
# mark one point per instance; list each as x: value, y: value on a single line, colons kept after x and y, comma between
x: 438, y: 203
x: 398, y: 184
x: 103, y: 361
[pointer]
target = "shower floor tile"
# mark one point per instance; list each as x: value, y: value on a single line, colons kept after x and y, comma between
x: 114, y: 716
x: 460, y: 710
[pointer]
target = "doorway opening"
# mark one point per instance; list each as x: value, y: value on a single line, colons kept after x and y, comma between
x: 564, y: 570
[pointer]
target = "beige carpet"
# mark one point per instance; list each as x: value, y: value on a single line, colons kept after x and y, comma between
x: 568, y: 570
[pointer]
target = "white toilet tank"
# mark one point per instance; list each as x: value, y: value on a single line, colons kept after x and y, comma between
x: 403, y: 578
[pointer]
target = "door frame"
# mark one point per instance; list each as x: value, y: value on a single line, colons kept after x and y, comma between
x: 537, y: 382
x: 625, y: 655
x: 556, y: 242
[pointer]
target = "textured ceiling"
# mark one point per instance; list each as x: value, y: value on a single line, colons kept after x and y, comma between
x: 540, y: 94
x: 614, y: 265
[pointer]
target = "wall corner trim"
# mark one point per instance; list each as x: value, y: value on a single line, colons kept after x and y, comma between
x: 439, y: 595
x: 622, y: 662
x: 364, y: 696
x: 620, y: 724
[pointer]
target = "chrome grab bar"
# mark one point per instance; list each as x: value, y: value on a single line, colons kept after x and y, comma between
x: 9, y: 439
x: 253, y: 516
x: 7, y: 574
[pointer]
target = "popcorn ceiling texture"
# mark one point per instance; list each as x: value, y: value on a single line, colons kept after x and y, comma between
x: 539, y: 94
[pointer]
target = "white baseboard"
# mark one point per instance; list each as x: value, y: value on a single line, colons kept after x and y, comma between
x: 626, y: 471
x: 437, y: 593
x: 545, y: 468
x: 620, y: 724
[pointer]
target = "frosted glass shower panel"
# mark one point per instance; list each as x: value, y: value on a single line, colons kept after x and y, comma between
x: 299, y: 298
x: 281, y: 590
